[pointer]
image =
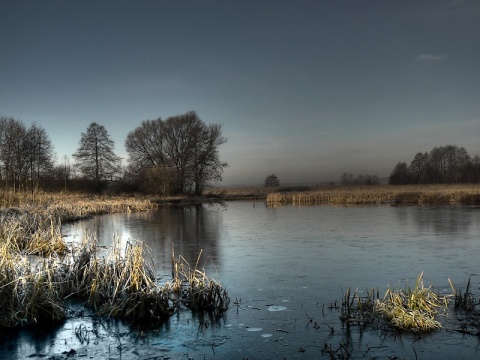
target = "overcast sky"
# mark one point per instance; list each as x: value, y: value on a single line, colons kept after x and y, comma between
x: 304, y: 89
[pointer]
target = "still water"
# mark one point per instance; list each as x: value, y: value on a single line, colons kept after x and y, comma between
x: 283, y: 268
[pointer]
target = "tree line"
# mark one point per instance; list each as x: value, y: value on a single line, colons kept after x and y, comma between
x: 26, y: 154
x: 442, y: 165
x: 176, y: 155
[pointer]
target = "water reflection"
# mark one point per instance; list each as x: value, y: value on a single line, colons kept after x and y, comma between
x: 189, y: 229
x: 440, y: 220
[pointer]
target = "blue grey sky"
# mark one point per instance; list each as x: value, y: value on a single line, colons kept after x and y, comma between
x: 304, y: 89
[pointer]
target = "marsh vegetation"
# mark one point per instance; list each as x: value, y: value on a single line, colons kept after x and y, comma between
x: 380, y: 195
x: 123, y: 284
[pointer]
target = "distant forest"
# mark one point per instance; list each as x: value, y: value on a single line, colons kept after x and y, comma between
x: 442, y: 165
x: 173, y: 156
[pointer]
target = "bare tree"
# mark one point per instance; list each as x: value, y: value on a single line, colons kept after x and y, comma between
x: 272, y: 181
x: 400, y: 175
x: 180, y: 152
x: 206, y: 165
x: 40, y: 154
x: 418, y: 167
x: 95, y: 156
x: 13, y: 151
x: 145, y: 145
x: 347, y: 179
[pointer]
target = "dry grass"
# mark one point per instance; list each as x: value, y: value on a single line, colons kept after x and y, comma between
x: 120, y: 285
x: 29, y: 233
x: 32, y: 224
x: 382, y: 194
x: 71, y: 206
x: 197, y: 291
x: 412, y: 310
x: 28, y: 293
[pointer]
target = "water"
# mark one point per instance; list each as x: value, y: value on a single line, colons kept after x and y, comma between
x: 283, y: 267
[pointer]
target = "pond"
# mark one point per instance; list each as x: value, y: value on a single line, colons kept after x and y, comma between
x: 283, y: 269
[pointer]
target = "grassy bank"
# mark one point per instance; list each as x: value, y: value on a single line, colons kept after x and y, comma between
x: 379, y: 195
x: 33, y: 290
x: 70, y: 206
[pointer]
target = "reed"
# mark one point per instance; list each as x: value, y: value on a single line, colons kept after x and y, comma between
x: 196, y: 290
x: 32, y: 234
x: 28, y: 293
x: 464, y: 300
x: 382, y: 194
x: 359, y: 310
x: 34, y: 224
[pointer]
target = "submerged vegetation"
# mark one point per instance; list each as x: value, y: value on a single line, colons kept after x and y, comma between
x: 379, y: 195
x: 33, y: 290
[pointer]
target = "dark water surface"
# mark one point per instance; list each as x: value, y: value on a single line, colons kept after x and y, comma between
x: 283, y: 266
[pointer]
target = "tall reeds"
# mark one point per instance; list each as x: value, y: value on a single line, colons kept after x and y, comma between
x: 28, y: 292
x: 120, y: 285
x: 378, y: 195
x: 196, y: 290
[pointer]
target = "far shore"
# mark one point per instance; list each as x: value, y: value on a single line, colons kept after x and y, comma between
x: 74, y: 206
x: 336, y: 194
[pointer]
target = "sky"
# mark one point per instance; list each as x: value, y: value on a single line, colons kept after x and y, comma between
x: 304, y: 89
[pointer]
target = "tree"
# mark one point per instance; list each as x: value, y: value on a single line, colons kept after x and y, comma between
x: 95, y: 156
x: 180, y: 152
x: 362, y: 179
x: 419, y: 168
x: 272, y: 181
x: 400, y: 175
x: 206, y: 165
x: 26, y: 155
x: 146, y: 145
x: 13, y: 151
x: 347, y: 178
x: 40, y: 154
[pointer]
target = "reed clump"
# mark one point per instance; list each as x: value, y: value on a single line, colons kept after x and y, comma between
x: 412, y: 310
x: 28, y: 293
x: 120, y: 285
x: 31, y: 233
x: 196, y: 290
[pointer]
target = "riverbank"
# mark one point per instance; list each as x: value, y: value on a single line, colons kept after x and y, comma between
x: 337, y: 195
